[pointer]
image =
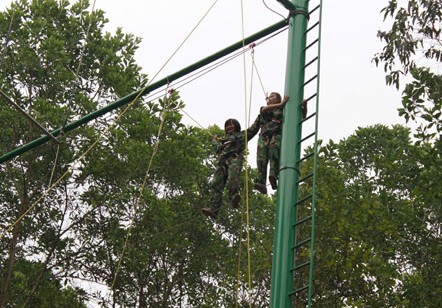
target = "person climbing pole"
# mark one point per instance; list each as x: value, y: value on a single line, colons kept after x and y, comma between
x: 269, y: 141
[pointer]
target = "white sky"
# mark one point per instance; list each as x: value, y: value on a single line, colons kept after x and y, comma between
x: 352, y: 89
x: 352, y: 93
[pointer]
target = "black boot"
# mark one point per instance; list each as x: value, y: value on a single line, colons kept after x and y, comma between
x: 235, y: 200
x: 261, y: 188
x: 212, y: 213
x: 273, y: 181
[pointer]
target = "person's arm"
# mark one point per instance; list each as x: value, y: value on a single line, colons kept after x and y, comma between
x: 279, y: 105
x: 254, y: 128
x: 217, y: 144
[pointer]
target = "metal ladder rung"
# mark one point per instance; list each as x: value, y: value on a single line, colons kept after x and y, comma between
x: 305, y: 178
x: 316, y: 8
x: 300, y: 266
x: 298, y: 290
x: 311, y: 61
x: 307, y: 47
x: 307, y: 240
x: 312, y: 27
x: 306, y: 157
x: 304, y: 199
x: 312, y: 96
x: 310, y: 80
x: 309, y: 117
x: 302, y: 220
x: 307, y: 137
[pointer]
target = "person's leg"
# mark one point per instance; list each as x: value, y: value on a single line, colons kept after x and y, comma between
x: 262, y: 158
x: 234, y: 168
x: 216, y: 200
x: 218, y: 183
x: 274, y: 148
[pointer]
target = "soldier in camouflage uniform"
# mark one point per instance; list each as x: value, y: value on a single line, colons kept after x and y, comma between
x: 230, y: 161
x: 269, y: 141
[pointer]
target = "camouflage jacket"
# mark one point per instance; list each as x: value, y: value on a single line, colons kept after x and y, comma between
x: 234, y: 144
x: 272, y: 122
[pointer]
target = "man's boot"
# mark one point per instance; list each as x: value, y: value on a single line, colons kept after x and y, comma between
x: 235, y: 200
x: 210, y: 212
x: 274, y: 182
x: 261, y: 188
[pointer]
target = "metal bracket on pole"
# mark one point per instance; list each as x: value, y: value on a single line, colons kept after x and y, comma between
x: 10, y: 101
x: 298, y: 11
x: 293, y: 10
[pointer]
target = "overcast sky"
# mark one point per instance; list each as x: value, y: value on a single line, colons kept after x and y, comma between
x: 352, y: 89
x: 352, y: 93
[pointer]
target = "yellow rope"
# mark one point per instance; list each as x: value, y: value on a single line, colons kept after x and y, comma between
x: 70, y: 169
x: 55, y: 165
x: 238, y: 269
x: 77, y: 73
x: 58, y: 147
x: 246, y: 184
x: 259, y: 77
x: 101, y: 136
x: 143, y: 185
x: 250, y: 90
x: 185, y: 39
x: 156, y: 145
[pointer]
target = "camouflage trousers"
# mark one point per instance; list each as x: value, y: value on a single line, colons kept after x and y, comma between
x: 268, y: 154
x: 226, y: 176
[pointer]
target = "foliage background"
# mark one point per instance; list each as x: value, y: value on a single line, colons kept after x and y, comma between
x: 112, y: 234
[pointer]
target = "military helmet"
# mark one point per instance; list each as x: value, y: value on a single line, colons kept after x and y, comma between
x: 235, y: 123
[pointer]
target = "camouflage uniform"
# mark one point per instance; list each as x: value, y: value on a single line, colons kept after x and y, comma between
x: 230, y: 161
x: 268, y: 144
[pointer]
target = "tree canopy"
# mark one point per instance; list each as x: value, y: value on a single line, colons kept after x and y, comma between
x: 111, y: 216
x: 122, y: 212
x: 412, y: 51
x: 378, y: 228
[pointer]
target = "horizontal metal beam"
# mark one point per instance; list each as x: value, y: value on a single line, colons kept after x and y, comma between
x: 128, y: 98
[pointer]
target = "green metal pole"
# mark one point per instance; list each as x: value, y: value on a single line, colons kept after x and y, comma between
x: 282, y: 278
x: 128, y: 98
